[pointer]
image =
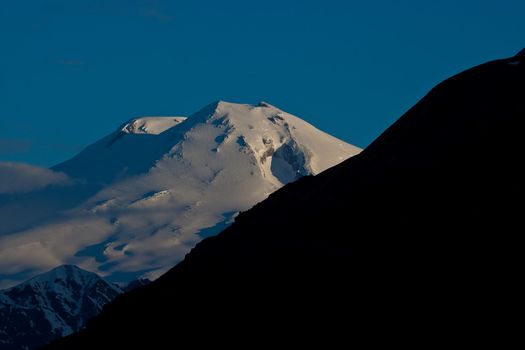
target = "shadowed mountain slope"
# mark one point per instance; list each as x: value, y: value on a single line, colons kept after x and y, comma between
x: 51, y: 305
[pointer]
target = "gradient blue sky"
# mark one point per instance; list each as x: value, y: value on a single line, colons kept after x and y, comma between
x: 71, y: 71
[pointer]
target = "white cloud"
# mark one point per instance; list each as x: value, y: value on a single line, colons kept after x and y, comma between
x: 20, y: 178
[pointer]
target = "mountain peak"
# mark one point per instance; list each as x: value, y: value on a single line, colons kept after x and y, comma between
x: 60, y: 301
x: 281, y: 146
x: 150, y: 125
x: 267, y: 105
x: 521, y: 54
x: 65, y: 273
x: 221, y: 104
x: 231, y: 112
x: 67, y: 269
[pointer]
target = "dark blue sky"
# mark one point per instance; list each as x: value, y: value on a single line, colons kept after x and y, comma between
x: 71, y: 71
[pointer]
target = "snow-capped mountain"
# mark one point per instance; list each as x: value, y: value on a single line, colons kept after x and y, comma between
x: 146, y: 194
x: 51, y: 305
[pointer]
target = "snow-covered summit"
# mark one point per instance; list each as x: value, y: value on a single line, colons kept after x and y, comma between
x: 61, y: 275
x: 282, y: 146
x: 150, y: 125
x: 148, y: 192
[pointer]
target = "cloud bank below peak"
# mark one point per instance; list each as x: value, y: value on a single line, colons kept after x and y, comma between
x: 23, y: 178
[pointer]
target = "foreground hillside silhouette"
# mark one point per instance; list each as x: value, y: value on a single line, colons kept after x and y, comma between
x: 415, y: 238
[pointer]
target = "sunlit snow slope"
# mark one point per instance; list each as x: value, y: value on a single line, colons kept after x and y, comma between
x: 147, y: 193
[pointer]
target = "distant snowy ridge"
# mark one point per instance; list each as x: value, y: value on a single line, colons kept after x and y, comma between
x: 148, y: 192
x: 51, y: 305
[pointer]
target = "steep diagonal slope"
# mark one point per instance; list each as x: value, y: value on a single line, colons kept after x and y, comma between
x: 50, y: 306
x: 154, y: 188
x: 414, y: 240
